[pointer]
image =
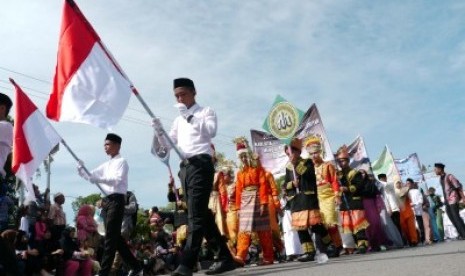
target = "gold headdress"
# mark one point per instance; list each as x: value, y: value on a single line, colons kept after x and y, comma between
x: 343, y: 152
x: 313, y: 144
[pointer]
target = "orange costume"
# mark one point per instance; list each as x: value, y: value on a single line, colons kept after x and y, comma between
x: 407, y: 217
x: 252, y: 195
x: 274, y: 206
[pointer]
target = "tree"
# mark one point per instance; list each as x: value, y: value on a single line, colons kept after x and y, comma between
x: 90, y: 199
x: 142, y: 229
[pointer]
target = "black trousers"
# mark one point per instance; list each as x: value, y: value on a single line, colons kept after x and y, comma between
x: 320, y: 232
x: 197, y: 180
x: 395, y: 216
x: 421, y: 227
x: 114, y: 209
x: 452, y: 211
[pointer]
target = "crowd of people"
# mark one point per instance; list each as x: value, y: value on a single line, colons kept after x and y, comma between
x: 224, y: 216
x: 317, y: 207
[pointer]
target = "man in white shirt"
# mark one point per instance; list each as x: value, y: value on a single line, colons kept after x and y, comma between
x: 416, y: 199
x: 192, y: 132
x: 390, y: 200
x: 6, y: 132
x: 113, y: 179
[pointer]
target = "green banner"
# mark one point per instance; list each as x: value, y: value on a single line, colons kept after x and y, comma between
x: 283, y: 119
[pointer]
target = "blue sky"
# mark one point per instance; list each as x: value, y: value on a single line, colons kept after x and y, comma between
x: 391, y: 71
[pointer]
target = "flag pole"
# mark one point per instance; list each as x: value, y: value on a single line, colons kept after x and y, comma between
x: 120, y: 70
x: 83, y: 167
x: 164, y: 133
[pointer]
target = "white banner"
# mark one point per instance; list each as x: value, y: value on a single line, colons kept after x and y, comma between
x: 312, y: 125
x: 409, y: 168
x: 359, y: 159
x: 271, y: 152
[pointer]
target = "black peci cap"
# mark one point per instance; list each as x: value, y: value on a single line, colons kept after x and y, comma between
x: 183, y: 82
x: 114, y: 138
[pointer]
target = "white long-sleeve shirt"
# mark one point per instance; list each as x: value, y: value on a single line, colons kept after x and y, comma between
x: 195, y: 137
x: 6, y: 142
x: 113, y: 175
x: 389, y: 196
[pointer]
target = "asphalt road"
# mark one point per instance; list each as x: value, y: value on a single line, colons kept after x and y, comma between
x: 443, y: 259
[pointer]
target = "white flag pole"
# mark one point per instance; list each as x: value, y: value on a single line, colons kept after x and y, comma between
x: 83, y: 167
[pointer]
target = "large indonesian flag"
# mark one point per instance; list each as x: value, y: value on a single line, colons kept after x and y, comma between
x: 89, y: 86
x: 33, y: 139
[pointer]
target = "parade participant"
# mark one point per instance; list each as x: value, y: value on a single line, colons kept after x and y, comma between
x: 301, y: 188
x: 416, y: 202
x: 435, y: 213
x: 6, y: 133
x: 290, y: 235
x: 193, y: 131
x: 390, y: 200
x: 390, y: 204
x: 128, y: 225
x: 113, y: 179
x: 407, y: 217
x: 351, y: 209
x: 218, y: 197
x: 252, y: 202
x: 274, y: 208
x: 453, y: 194
x: 328, y: 191
x: 232, y: 222
x: 373, y: 204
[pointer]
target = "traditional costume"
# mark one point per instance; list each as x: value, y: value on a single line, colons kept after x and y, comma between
x: 218, y: 199
x: 274, y: 206
x: 328, y: 189
x: 407, y: 217
x: 232, y: 221
x: 301, y: 191
x: 351, y: 209
x: 252, y: 199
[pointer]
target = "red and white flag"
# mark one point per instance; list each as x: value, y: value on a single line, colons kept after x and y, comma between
x: 89, y: 86
x: 33, y: 139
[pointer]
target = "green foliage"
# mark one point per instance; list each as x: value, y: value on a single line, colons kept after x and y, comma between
x: 90, y: 199
x: 142, y: 230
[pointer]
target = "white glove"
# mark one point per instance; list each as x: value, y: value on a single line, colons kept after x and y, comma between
x: 183, y: 110
x: 93, y: 179
x: 157, y: 126
x: 82, y: 173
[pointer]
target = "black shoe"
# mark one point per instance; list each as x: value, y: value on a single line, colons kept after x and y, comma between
x: 136, y: 271
x: 220, y: 267
x: 182, y: 270
x: 307, y: 257
x: 333, y: 251
x: 361, y: 250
